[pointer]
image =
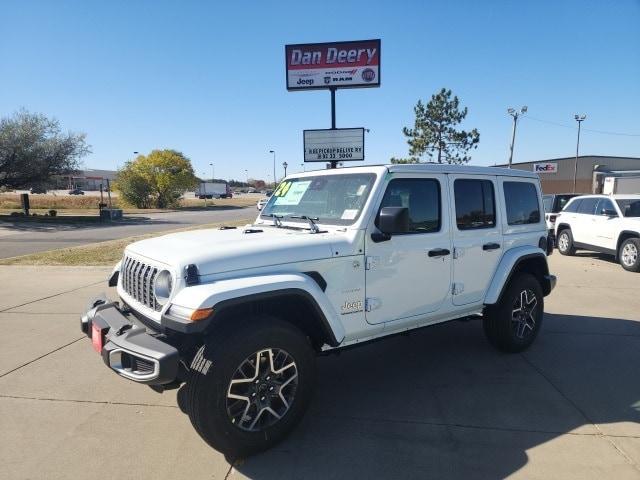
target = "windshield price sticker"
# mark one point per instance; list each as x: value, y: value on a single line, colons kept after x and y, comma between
x: 290, y: 193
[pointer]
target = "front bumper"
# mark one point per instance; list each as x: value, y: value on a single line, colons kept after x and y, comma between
x: 127, y: 347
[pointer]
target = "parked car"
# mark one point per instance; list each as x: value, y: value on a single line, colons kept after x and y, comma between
x: 261, y: 203
x: 335, y: 259
x: 602, y: 223
x: 76, y: 191
x: 36, y: 190
x: 553, y: 204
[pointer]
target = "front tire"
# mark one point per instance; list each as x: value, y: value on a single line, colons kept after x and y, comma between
x: 565, y: 243
x: 629, y: 254
x: 250, y: 386
x: 514, y: 322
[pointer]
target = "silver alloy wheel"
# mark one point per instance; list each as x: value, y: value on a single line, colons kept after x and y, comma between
x: 563, y: 242
x: 262, y: 389
x: 629, y: 254
x: 523, y: 318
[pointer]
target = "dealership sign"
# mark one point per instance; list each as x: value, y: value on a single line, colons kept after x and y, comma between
x: 546, y: 167
x: 333, y: 145
x: 333, y: 65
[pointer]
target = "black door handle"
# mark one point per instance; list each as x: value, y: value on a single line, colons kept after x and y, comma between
x: 490, y: 246
x: 439, y: 252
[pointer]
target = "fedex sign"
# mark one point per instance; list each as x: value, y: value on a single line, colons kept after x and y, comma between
x: 546, y: 167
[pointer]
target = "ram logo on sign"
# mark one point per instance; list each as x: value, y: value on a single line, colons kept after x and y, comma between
x: 333, y: 65
x: 546, y: 167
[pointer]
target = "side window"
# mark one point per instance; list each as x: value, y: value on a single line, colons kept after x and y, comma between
x: 547, y: 203
x: 588, y: 206
x: 604, y: 205
x: 421, y: 196
x: 521, y: 199
x: 475, y: 204
x: 573, y: 206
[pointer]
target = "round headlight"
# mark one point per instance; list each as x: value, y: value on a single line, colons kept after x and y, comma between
x: 162, y: 286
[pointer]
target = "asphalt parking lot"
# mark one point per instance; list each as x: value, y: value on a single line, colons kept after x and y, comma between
x: 440, y: 403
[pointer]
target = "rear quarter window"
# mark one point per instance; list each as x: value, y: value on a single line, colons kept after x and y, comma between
x: 521, y: 200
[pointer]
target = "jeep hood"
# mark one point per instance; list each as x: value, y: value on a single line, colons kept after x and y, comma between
x: 217, y: 251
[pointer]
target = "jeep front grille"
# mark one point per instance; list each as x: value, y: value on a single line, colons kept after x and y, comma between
x: 137, y: 281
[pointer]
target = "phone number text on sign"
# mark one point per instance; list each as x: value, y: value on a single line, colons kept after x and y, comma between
x: 334, y: 144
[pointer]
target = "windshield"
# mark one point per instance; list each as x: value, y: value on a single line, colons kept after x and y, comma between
x: 334, y: 199
x: 630, y: 207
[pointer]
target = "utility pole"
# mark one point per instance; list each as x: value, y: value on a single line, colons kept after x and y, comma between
x: 579, y: 119
x: 515, y: 114
x: 274, y: 166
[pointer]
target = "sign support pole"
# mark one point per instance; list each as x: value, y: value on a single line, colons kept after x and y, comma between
x: 334, y: 163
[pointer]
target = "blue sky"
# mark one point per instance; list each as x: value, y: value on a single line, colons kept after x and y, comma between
x: 207, y: 78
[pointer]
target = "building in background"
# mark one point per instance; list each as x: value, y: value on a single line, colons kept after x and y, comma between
x: 89, y: 179
x: 557, y: 174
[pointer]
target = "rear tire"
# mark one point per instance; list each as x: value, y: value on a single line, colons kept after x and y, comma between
x: 513, y: 323
x: 565, y: 243
x: 629, y: 254
x: 250, y: 385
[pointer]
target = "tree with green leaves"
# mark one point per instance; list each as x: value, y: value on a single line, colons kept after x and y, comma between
x: 436, y: 131
x: 33, y: 148
x: 155, y: 180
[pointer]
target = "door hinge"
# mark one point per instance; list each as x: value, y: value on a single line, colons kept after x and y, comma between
x: 371, y: 263
x: 371, y: 304
x: 457, y: 288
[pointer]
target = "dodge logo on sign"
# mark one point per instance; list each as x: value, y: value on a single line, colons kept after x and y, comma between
x: 339, y: 64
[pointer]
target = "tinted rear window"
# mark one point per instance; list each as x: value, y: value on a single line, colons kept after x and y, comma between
x: 475, y: 204
x: 521, y: 200
x: 588, y: 206
x: 573, y: 206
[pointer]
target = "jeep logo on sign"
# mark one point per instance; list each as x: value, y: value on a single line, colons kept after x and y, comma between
x: 307, y: 81
x: 545, y: 167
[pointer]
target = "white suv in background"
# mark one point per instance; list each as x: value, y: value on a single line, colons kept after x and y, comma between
x: 602, y: 223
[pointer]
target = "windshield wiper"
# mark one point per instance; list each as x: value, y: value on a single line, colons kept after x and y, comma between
x: 312, y: 222
x: 277, y: 219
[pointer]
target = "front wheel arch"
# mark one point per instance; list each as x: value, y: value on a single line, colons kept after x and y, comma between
x: 295, y: 306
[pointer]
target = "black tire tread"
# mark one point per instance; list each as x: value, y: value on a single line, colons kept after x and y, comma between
x: 224, y: 339
x: 497, y: 318
x: 636, y: 242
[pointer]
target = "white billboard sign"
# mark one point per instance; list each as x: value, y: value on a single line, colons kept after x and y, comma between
x: 546, y: 167
x: 333, y: 145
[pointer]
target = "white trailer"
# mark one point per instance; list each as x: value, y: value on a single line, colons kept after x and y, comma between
x: 213, y: 190
x: 614, y: 185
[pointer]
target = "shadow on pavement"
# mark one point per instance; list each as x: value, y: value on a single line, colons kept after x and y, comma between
x: 441, y: 403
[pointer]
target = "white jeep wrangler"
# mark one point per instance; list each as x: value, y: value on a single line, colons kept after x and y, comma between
x: 335, y: 258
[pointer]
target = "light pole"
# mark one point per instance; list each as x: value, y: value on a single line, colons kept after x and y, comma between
x: 213, y: 176
x: 246, y: 172
x: 304, y: 167
x: 274, y: 165
x: 285, y: 165
x: 579, y: 119
x: 203, y: 190
x: 515, y: 114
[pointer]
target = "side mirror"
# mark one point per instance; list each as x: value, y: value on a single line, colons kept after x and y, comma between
x: 394, y: 220
x: 609, y: 213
